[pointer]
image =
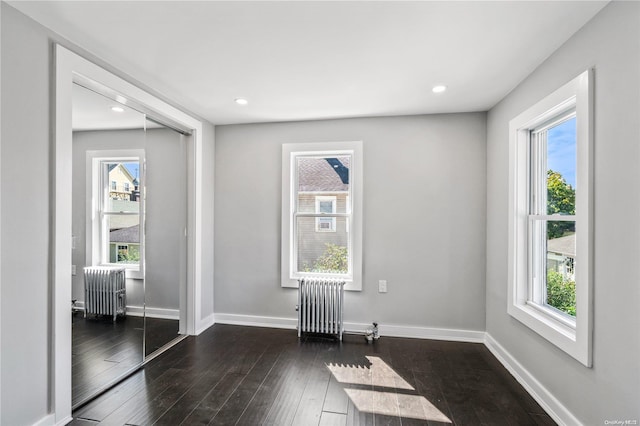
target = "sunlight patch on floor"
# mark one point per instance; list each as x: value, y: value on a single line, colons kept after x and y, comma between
x: 380, y: 374
x: 396, y: 405
x: 377, y: 374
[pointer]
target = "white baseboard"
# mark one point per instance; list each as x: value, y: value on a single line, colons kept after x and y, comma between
x: 450, y: 334
x: 257, y: 321
x: 556, y: 410
x: 353, y: 327
x: 205, y: 323
x: 161, y: 313
x: 50, y: 420
x: 136, y: 311
x: 65, y: 421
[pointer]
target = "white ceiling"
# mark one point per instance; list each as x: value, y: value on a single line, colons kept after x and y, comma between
x: 312, y: 60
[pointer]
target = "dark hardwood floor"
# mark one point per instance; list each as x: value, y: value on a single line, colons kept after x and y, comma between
x: 103, y: 350
x: 250, y: 376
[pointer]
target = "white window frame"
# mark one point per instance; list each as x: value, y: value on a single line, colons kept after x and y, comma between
x: 289, y: 277
x: 324, y: 198
x: 572, y: 336
x: 98, y: 188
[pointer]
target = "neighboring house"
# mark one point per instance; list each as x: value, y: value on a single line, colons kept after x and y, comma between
x: 323, y: 185
x: 121, y: 184
x: 561, y: 255
x: 124, y: 245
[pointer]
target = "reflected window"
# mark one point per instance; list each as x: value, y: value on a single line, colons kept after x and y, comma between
x: 117, y: 217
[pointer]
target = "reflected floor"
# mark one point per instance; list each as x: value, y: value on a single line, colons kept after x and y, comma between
x: 102, y: 350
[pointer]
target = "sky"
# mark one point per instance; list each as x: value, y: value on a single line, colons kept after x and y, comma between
x: 561, y: 150
x: 133, y: 168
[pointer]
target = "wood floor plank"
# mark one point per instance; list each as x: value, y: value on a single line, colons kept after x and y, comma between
x: 333, y: 419
x: 238, y: 401
x: 309, y: 410
x: 101, y: 407
x: 268, y: 391
x: 290, y: 392
x: 336, y: 399
x: 194, y: 395
x: 215, y: 399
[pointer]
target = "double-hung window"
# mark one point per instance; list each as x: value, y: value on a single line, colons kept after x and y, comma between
x: 115, y: 220
x: 322, y: 212
x: 550, y: 218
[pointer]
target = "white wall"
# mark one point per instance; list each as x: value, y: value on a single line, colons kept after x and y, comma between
x: 424, y: 218
x: 611, y: 389
x: 26, y: 138
x: 165, y: 211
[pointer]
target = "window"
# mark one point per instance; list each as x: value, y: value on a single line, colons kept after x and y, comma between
x: 550, y: 218
x: 114, y: 185
x: 322, y: 212
x: 115, y: 227
x: 326, y: 205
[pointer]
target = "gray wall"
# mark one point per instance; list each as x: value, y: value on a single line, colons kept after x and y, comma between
x: 26, y: 138
x: 165, y: 210
x: 424, y: 218
x: 25, y: 219
x: 611, y: 389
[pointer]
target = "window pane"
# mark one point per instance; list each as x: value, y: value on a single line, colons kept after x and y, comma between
x: 322, y: 176
x: 561, y: 168
x: 122, y: 206
x: 124, y: 186
x: 322, y: 251
x: 561, y: 254
x: 123, y: 238
x: 325, y: 207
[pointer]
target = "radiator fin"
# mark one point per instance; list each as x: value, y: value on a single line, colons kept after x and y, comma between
x: 320, y: 306
x: 105, y: 291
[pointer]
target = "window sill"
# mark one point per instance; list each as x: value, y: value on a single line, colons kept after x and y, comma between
x: 350, y: 284
x: 132, y: 272
x: 547, y: 325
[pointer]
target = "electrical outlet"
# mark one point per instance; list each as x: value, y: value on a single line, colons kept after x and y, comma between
x: 382, y: 286
x: 73, y: 269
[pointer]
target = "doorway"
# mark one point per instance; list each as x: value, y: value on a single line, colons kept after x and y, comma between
x: 70, y: 69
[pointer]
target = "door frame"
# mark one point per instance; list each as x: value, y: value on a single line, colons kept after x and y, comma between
x: 70, y: 68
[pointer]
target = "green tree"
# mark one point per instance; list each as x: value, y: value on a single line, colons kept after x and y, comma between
x: 561, y: 199
x: 333, y: 260
x: 561, y: 293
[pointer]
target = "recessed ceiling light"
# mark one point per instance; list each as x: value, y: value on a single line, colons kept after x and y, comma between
x: 439, y: 89
x: 241, y: 101
x: 117, y: 109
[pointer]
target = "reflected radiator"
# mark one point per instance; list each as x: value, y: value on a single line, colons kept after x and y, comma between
x: 105, y: 291
x: 320, y: 306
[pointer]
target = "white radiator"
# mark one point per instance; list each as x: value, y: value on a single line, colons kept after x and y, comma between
x: 105, y: 291
x: 320, y: 306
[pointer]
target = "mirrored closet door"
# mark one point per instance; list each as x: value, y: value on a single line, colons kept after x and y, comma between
x: 129, y: 243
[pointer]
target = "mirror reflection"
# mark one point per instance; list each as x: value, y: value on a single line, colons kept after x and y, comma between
x: 129, y: 243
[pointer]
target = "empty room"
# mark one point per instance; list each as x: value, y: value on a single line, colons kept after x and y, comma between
x: 319, y: 213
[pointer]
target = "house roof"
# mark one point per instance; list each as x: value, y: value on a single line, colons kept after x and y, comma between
x: 564, y: 245
x: 125, y: 235
x: 124, y: 169
x: 323, y: 174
